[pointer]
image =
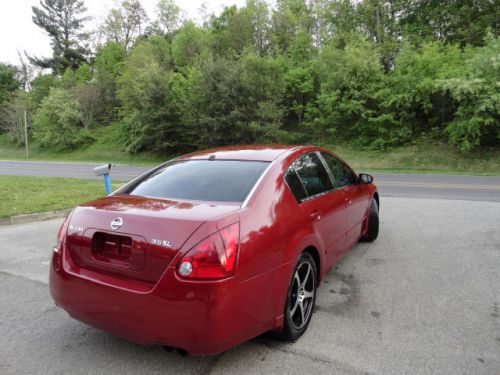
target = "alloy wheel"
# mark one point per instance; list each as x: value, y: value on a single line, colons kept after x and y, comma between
x: 302, y: 295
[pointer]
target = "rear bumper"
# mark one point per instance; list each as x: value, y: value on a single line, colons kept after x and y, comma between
x: 200, y: 317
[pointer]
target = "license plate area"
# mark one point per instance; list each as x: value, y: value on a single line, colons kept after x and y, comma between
x: 111, y: 246
x: 117, y: 250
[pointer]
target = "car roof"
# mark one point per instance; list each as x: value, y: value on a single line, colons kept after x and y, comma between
x: 260, y: 152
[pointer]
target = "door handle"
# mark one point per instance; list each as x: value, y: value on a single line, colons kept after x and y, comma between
x: 347, y: 200
x: 316, y: 215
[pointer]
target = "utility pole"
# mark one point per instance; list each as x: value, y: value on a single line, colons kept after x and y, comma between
x: 26, y: 135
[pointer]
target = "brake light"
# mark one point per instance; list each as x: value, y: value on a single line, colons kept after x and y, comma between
x: 57, y: 254
x: 61, y: 233
x: 214, y: 257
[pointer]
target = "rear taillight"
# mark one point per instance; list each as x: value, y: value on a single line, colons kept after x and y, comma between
x: 57, y: 254
x: 214, y: 257
x: 61, y: 233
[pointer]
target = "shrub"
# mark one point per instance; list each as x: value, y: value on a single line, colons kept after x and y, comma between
x: 57, y: 123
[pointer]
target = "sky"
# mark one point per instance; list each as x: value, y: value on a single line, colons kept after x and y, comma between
x: 19, y: 33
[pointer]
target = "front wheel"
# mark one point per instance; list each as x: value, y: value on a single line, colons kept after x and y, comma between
x: 373, y: 224
x: 301, y: 297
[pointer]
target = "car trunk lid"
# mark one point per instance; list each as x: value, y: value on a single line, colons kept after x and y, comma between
x: 135, y: 237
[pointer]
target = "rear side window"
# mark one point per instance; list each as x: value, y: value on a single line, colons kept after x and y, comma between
x: 312, y: 174
x: 204, y: 180
x: 295, y: 185
x: 342, y: 174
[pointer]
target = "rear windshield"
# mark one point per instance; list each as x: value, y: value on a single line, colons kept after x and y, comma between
x: 204, y: 180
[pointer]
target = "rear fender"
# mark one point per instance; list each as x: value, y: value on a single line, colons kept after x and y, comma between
x: 301, y: 240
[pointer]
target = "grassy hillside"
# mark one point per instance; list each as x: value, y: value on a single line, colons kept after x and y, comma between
x: 423, y: 158
x: 99, y: 151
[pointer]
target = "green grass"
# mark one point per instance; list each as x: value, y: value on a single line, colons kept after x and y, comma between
x: 423, y: 157
x: 103, y: 151
x: 23, y: 195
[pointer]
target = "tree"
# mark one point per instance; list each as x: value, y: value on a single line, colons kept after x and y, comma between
x: 476, y: 93
x: 71, y: 78
x: 300, y: 91
x: 12, y: 116
x: 258, y: 14
x: 379, y: 20
x: 412, y: 95
x: 169, y: 16
x: 190, y: 42
x: 462, y: 21
x: 108, y: 65
x: 57, y: 124
x: 63, y: 21
x: 68, y: 79
x: 26, y: 73
x: 123, y: 24
x: 231, y: 103
x: 233, y: 31
x: 41, y: 86
x: 151, y: 98
x: 110, y: 58
x: 289, y: 18
x: 90, y: 101
x: 348, y: 103
x: 8, y: 81
x: 331, y: 18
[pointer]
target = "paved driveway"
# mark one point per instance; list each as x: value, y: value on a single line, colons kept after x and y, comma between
x: 423, y: 299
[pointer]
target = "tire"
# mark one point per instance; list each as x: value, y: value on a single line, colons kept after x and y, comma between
x: 301, y: 296
x: 373, y: 224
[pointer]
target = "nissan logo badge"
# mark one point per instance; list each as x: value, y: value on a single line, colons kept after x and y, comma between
x: 117, y: 223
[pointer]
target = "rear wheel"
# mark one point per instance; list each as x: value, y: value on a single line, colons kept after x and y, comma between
x: 301, y: 297
x: 373, y: 224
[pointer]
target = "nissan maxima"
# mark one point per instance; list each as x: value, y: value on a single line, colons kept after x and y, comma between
x: 213, y: 248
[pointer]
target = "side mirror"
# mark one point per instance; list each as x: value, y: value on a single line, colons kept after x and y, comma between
x: 365, y: 178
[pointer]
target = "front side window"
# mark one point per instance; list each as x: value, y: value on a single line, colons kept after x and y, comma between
x: 312, y: 174
x: 204, y: 180
x: 342, y: 174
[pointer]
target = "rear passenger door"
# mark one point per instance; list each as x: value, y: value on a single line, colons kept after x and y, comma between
x: 357, y: 194
x: 320, y: 203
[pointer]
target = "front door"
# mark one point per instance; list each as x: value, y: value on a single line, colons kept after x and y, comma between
x: 357, y: 196
x: 359, y: 199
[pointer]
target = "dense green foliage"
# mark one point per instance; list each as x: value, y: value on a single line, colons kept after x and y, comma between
x: 8, y: 81
x: 56, y: 123
x: 370, y: 73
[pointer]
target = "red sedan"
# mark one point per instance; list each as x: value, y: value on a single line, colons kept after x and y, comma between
x: 213, y: 248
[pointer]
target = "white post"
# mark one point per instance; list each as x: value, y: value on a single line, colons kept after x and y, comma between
x: 26, y: 135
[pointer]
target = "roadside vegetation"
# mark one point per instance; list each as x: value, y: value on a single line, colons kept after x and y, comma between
x: 24, y: 194
x: 395, y: 85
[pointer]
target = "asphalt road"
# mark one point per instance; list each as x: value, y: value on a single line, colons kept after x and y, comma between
x: 477, y: 188
x: 422, y: 299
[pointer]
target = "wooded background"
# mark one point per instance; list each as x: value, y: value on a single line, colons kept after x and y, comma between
x: 369, y: 73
